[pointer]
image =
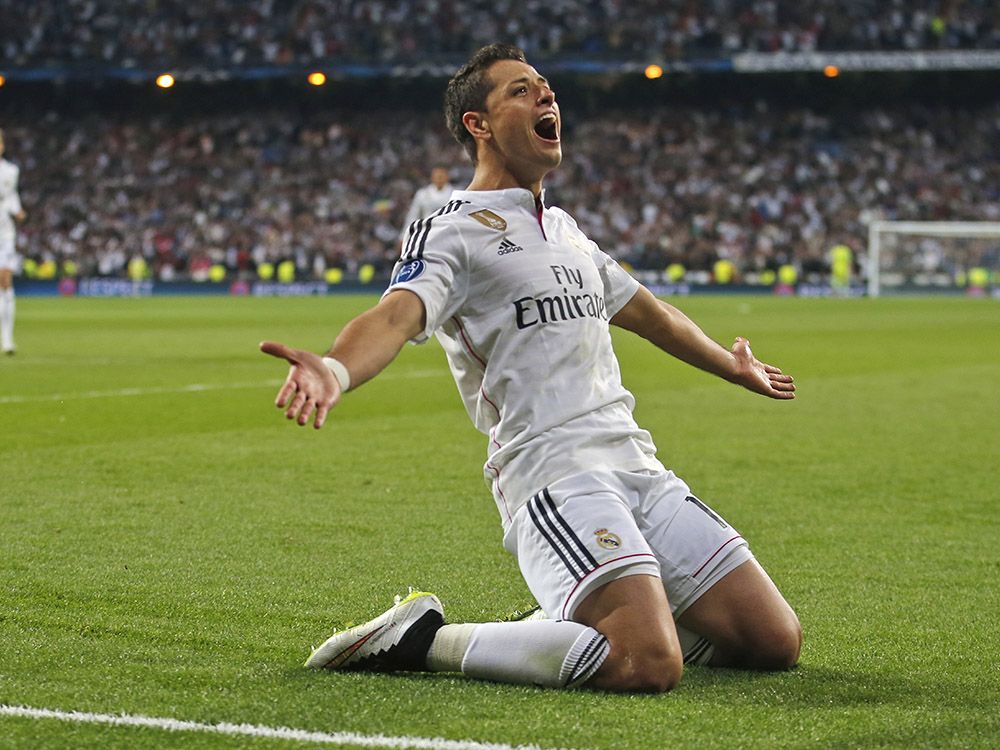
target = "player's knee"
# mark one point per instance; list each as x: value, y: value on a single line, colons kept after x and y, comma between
x: 779, y: 647
x: 656, y: 673
x: 648, y: 670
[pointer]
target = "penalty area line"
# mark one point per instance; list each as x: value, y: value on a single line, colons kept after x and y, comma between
x: 254, y: 730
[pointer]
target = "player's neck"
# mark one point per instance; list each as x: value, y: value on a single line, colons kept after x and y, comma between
x: 503, y: 179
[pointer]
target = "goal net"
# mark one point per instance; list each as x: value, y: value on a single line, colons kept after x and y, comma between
x: 908, y: 256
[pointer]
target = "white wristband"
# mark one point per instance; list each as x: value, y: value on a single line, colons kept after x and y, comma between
x: 339, y: 372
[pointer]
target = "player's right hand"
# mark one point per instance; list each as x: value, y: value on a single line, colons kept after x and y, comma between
x: 310, y: 387
x: 758, y: 376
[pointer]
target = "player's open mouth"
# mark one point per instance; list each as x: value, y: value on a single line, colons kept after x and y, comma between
x: 547, y: 128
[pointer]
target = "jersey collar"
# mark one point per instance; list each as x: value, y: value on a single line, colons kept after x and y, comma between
x: 510, y: 197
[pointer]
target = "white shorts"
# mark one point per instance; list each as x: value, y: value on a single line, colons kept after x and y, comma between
x: 9, y: 259
x: 586, y: 530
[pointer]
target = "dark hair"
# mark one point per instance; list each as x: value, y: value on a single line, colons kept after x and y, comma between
x: 468, y: 88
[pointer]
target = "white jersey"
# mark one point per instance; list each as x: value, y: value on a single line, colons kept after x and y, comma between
x: 426, y: 201
x: 520, y: 299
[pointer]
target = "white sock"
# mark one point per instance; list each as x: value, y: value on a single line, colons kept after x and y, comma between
x: 6, y: 319
x: 697, y: 651
x: 448, y: 647
x: 547, y: 653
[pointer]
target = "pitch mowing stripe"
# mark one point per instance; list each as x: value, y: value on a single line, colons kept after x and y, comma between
x: 191, y: 388
x: 254, y: 730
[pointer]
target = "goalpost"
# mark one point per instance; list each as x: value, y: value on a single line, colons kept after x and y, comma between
x: 878, y: 231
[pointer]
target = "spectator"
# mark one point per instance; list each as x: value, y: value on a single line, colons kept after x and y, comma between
x: 760, y: 187
x: 171, y: 34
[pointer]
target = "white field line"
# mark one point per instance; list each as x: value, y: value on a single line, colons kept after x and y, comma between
x: 254, y: 730
x: 190, y: 388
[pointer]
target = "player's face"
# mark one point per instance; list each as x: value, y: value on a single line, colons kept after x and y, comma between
x: 524, y: 119
x: 439, y: 177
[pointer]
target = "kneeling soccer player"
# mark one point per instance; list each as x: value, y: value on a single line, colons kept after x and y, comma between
x: 638, y: 574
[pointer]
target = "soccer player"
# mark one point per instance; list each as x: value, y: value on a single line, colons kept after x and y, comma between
x: 638, y: 574
x: 10, y: 211
x: 428, y: 199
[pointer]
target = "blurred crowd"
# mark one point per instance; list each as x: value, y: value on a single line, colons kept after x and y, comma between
x: 222, y: 33
x: 756, y: 185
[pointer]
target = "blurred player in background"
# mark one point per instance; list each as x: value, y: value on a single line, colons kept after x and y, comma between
x: 638, y: 575
x: 428, y: 199
x: 841, y: 268
x: 10, y: 211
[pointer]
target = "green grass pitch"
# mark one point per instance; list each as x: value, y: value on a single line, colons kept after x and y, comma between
x: 170, y: 546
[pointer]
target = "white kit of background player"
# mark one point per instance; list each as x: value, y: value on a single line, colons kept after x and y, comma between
x: 10, y: 211
x: 428, y: 199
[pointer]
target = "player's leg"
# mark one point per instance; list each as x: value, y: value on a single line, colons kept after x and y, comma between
x: 585, y: 559
x: 6, y: 310
x: 728, y: 611
x: 549, y: 653
x: 747, y: 620
x: 633, y: 614
x: 412, y: 636
x: 587, y: 563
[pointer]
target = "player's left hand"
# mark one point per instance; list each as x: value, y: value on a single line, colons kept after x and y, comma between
x: 759, y: 377
x: 310, y: 386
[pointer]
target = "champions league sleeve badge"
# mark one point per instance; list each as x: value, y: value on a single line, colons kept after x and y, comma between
x: 408, y: 271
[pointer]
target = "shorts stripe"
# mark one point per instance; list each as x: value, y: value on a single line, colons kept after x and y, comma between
x: 544, y: 531
x: 560, y: 537
x: 563, y: 530
x: 590, y: 562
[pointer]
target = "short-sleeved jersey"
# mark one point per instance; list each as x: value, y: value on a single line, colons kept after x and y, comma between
x: 521, y: 300
x: 10, y: 202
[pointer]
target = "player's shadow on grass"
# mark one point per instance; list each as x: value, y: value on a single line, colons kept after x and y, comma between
x: 805, y: 686
x: 809, y: 686
x: 875, y: 701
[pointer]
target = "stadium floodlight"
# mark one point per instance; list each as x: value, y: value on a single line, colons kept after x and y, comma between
x: 879, y: 231
x: 165, y: 80
x: 653, y: 72
x: 317, y: 78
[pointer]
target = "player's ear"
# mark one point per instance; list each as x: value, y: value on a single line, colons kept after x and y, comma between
x: 476, y: 124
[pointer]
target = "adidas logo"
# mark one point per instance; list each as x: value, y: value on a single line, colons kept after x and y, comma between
x: 507, y: 247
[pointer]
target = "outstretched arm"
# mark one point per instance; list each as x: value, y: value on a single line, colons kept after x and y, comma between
x: 676, y: 334
x: 365, y: 347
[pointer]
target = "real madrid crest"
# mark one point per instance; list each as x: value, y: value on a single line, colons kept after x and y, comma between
x: 607, y: 539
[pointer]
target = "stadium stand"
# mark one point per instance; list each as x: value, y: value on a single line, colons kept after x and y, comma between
x: 756, y: 182
x: 213, y: 33
x: 759, y: 186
